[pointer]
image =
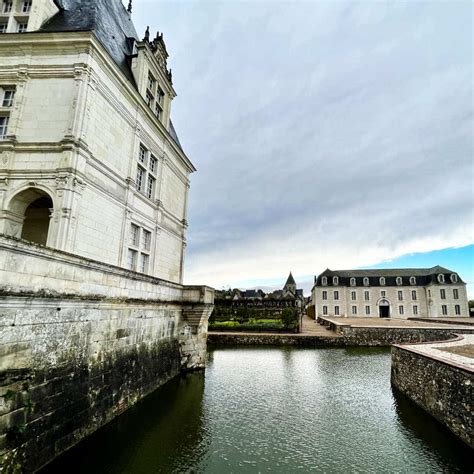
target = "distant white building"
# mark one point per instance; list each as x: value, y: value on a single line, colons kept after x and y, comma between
x: 393, y: 293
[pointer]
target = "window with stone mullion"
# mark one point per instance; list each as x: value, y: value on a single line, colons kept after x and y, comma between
x: 147, y: 168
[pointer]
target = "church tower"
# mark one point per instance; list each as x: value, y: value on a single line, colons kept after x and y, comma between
x: 290, y: 287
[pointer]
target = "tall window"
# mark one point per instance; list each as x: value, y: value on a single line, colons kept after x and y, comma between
x: 8, y: 96
x: 354, y: 310
x: 155, y: 97
x: 353, y: 295
x: 456, y: 294
x: 325, y: 295
x: 457, y: 309
x: 3, y: 127
x: 444, y: 310
x: 325, y: 310
x: 3, y: 27
x: 7, y: 6
x: 27, y: 6
x: 366, y: 295
x: 147, y: 168
x: 401, y: 310
x: 415, y: 310
x: 413, y: 295
x: 367, y: 310
x: 22, y: 27
x: 443, y: 293
x: 336, y: 310
x: 400, y: 295
x: 139, y: 249
x: 383, y: 293
x: 336, y: 295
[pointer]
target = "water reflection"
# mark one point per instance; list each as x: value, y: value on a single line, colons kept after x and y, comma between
x: 160, y: 434
x: 277, y: 409
x: 431, y: 435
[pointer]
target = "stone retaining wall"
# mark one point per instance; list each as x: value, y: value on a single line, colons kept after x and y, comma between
x: 70, y: 362
x: 442, y: 389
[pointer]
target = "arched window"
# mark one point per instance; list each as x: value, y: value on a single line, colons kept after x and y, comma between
x: 335, y: 281
x: 353, y: 282
x: 324, y: 281
x: 454, y: 278
x: 399, y: 281
x: 382, y: 281
x: 366, y: 281
x: 412, y: 281
x: 441, y: 278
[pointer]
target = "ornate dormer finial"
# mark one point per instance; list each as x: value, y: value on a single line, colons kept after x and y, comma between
x: 147, y: 34
x: 129, y: 8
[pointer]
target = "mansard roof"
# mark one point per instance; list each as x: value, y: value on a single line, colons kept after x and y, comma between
x: 424, y: 276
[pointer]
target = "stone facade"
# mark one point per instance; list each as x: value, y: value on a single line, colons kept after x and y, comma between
x: 403, y: 293
x: 442, y: 388
x: 93, y: 202
x: 80, y: 342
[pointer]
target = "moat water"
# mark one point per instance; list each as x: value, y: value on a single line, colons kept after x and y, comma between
x: 278, y: 410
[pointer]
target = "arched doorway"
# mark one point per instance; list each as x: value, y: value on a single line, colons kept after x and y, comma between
x: 29, y: 213
x: 36, y: 223
x: 384, y: 308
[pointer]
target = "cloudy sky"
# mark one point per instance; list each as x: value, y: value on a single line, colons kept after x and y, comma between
x: 326, y: 134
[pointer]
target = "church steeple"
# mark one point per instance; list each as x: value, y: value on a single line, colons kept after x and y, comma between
x: 290, y: 286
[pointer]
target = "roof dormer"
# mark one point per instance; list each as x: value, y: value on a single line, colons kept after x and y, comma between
x: 154, y: 80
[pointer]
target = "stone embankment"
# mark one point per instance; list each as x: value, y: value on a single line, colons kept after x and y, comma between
x: 439, y: 377
x: 347, y: 332
x: 82, y: 341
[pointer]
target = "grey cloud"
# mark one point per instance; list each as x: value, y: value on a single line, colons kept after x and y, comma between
x: 321, y: 131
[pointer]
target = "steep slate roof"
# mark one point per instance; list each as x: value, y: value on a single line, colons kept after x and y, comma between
x: 111, y: 24
x: 108, y: 19
x: 423, y: 276
x: 291, y: 280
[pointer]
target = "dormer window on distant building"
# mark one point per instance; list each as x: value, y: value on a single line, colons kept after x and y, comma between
x: 335, y: 281
x: 366, y: 281
x: 382, y: 281
x: 399, y: 281
x: 7, y: 6
x: 27, y: 6
x: 324, y: 281
x: 412, y: 281
x: 353, y: 282
x: 454, y: 278
x: 440, y: 278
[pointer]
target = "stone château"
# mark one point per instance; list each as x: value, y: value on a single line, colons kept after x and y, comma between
x: 93, y: 202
